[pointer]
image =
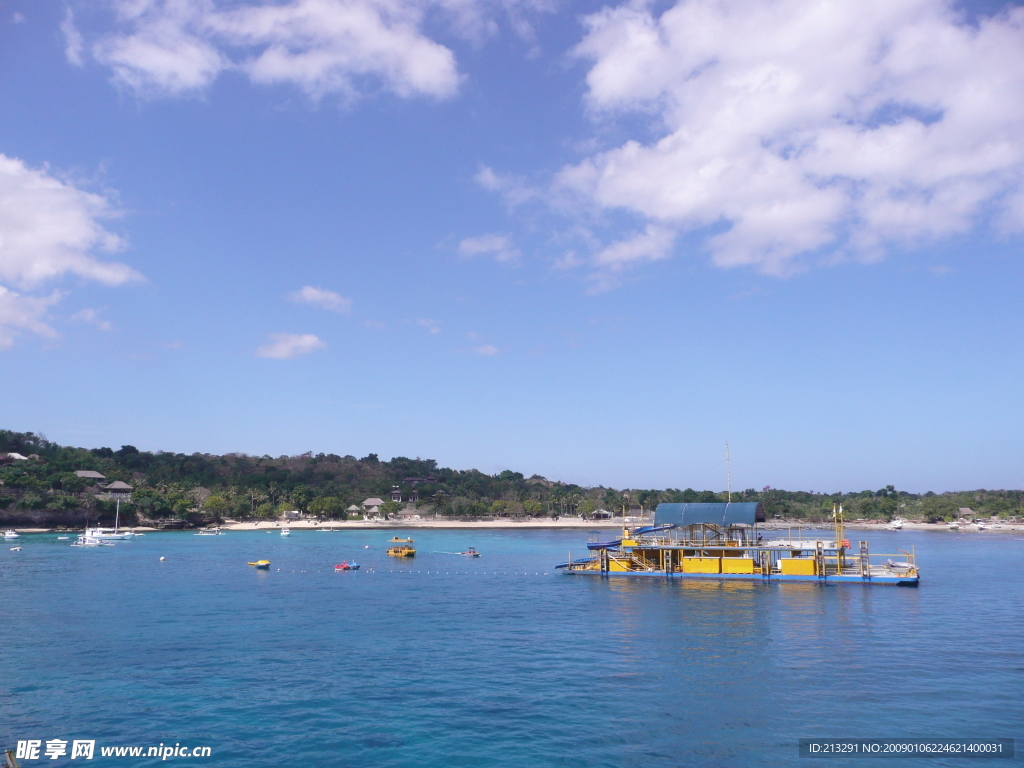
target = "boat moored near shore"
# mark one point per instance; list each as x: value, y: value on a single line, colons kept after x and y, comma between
x: 721, y: 541
x: 401, y: 547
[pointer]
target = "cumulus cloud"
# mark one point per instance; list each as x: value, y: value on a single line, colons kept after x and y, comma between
x: 49, y: 229
x: 284, y: 346
x: 794, y: 131
x: 173, y: 47
x: 322, y: 298
x: 498, y: 247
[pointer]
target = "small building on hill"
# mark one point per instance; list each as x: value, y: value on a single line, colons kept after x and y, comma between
x: 116, y: 491
x: 90, y: 474
x: 372, y: 505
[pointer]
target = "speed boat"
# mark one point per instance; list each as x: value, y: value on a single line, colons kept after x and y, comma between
x: 471, y: 552
x: 345, y: 565
x: 11, y: 534
x: 286, y: 531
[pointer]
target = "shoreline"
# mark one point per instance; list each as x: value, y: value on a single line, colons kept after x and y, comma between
x: 569, y: 523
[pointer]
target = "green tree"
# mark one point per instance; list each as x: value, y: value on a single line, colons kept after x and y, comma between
x: 936, y: 508
x: 216, y: 505
x: 390, y: 508
x: 533, y: 508
x: 327, y: 507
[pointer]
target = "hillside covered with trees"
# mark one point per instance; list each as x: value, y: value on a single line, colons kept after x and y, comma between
x: 200, y: 488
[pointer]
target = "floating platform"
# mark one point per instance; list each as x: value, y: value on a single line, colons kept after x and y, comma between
x: 721, y: 541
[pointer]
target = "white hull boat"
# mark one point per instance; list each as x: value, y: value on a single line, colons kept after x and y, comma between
x: 91, y: 541
x: 109, y: 534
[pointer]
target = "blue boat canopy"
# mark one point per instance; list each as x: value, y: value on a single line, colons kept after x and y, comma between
x: 722, y: 515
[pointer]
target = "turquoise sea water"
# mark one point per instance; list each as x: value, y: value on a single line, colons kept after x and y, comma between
x: 500, y: 661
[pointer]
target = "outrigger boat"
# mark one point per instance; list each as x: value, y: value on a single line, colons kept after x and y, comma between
x: 720, y: 541
x: 345, y: 565
x: 401, y: 548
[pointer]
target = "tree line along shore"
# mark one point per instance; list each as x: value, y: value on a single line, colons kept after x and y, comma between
x: 41, y: 484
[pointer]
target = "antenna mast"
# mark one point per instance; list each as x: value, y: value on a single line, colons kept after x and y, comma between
x: 728, y: 470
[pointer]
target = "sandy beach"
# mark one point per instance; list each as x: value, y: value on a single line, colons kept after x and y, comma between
x: 561, y: 523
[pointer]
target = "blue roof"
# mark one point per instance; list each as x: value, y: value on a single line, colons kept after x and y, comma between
x: 722, y: 515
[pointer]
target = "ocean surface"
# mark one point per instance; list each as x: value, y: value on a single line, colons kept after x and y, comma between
x: 499, y: 661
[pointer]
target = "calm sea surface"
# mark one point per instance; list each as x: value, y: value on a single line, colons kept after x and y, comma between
x: 499, y: 661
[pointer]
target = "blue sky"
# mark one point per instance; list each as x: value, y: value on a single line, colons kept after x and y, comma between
x: 589, y: 241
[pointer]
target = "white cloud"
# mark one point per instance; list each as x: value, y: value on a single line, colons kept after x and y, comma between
x: 487, y: 350
x: 320, y: 297
x: 73, y: 43
x: 568, y: 260
x: 432, y: 326
x: 795, y: 131
x: 514, y: 189
x: 24, y: 313
x: 92, y: 317
x: 49, y: 229
x: 499, y: 247
x: 284, y: 346
x: 321, y: 46
x: 165, y: 50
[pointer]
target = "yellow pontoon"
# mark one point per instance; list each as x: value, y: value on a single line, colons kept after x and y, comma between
x: 261, y: 564
x: 721, y: 541
x: 401, y: 548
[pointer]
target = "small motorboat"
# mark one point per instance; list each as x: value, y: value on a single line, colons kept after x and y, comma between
x: 15, y: 549
x: 471, y: 552
x: 264, y: 564
x: 345, y: 565
x: 893, y: 566
x: 286, y: 531
x: 91, y: 541
x: 214, y: 531
x: 11, y: 534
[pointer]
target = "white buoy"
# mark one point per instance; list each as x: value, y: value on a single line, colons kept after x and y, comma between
x: 162, y: 559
